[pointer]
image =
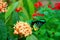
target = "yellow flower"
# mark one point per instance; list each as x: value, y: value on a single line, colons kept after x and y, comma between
x: 23, y: 29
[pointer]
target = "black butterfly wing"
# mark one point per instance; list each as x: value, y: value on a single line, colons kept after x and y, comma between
x: 38, y: 23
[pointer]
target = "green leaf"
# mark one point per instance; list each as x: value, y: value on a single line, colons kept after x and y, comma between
x: 2, y: 16
x: 22, y: 16
x: 3, y: 31
x: 31, y: 37
x: 31, y: 7
x: 57, y: 34
x: 10, y: 9
x: 15, y: 17
x: 26, y: 13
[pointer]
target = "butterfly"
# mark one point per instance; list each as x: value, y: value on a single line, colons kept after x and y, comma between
x: 37, y: 24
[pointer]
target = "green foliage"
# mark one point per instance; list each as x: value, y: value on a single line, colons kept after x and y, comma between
x: 31, y: 37
x: 3, y: 31
x: 49, y: 31
x: 31, y: 7
x: 10, y: 10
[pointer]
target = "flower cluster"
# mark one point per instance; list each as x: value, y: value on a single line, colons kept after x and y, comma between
x: 57, y: 6
x: 3, y: 6
x: 49, y: 6
x: 38, y: 4
x: 23, y: 29
x: 18, y: 9
x: 37, y: 14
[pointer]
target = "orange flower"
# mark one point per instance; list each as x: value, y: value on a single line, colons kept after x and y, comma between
x: 22, y: 28
x: 3, y: 6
